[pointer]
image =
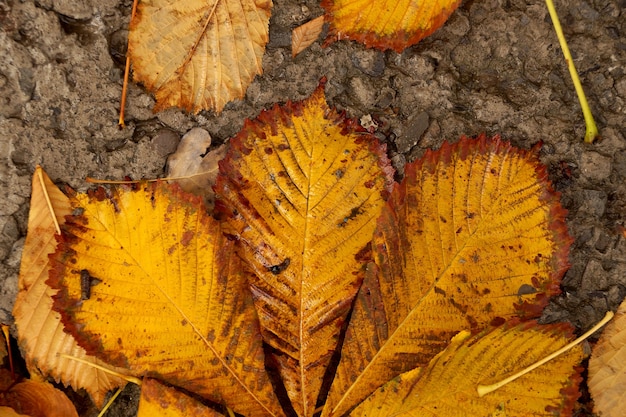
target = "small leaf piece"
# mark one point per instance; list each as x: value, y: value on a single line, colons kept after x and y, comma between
x: 304, y: 35
x: 386, y: 24
x: 198, y: 166
x: 301, y: 189
x: 607, y: 368
x: 473, y: 236
x: 163, y: 401
x: 447, y: 387
x: 168, y: 296
x: 198, y: 55
x: 40, y: 332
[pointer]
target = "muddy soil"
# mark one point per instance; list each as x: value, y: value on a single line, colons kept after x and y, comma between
x: 495, y: 67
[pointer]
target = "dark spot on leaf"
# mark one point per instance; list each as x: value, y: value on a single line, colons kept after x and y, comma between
x: 443, y: 219
x: 183, y: 322
x: 497, y: 321
x: 369, y: 184
x: 283, y: 146
x: 277, y: 269
x: 187, y: 236
x: 339, y: 173
x: 526, y: 289
x: 269, y: 150
x: 78, y: 211
x: 486, y: 291
x: 440, y: 291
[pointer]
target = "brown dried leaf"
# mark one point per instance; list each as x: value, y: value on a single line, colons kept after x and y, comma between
x: 192, y: 160
x: 304, y: 35
x: 38, y: 399
x: 198, y: 54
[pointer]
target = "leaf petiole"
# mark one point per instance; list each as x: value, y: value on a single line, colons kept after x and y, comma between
x: 591, y: 133
x: 486, y: 389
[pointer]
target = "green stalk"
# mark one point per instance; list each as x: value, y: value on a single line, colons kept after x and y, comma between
x: 591, y: 133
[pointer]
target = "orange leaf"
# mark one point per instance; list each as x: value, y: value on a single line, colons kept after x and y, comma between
x: 40, y: 332
x: 304, y: 35
x: 168, y: 296
x: 163, y: 401
x: 195, y: 54
x: 301, y: 188
x: 38, y: 399
x: 447, y: 386
x: 607, y: 368
x: 474, y: 235
x: 386, y: 24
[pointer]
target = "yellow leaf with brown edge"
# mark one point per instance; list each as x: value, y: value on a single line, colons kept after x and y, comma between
x: 607, y: 368
x: 300, y: 189
x: 168, y: 296
x: 386, y: 24
x: 447, y: 386
x: 195, y: 54
x: 161, y: 400
x: 39, y: 328
x: 473, y: 236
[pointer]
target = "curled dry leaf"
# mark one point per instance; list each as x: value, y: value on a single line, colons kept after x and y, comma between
x: 301, y: 188
x: 447, y: 386
x: 607, y: 368
x: 197, y: 54
x: 37, y: 399
x: 304, y: 35
x: 386, y: 24
x: 40, y: 331
x: 193, y: 160
x: 473, y: 236
x: 170, y: 297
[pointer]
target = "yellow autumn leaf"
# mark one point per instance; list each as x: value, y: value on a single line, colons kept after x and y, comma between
x: 607, y: 368
x: 386, y: 24
x: 474, y: 235
x: 165, y: 401
x: 447, y: 386
x: 167, y: 294
x: 40, y: 331
x: 198, y: 55
x: 301, y: 189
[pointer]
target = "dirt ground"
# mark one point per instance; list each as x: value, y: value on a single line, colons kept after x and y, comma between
x: 495, y: 67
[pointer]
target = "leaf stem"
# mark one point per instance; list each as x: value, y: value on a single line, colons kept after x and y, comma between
x: 486, y: 389
x: 120, y: 122
x: 591, y: 133
x: 128, y: 378
x: 108, y: 404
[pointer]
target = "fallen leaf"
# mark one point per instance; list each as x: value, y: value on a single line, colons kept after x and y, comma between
x: 198, y: 55
x: 37, y: 399
x: 304, y: 35
x: 607, y: 368
x: 447, y: 386
x: 473, y: 236
x: 386, y: 24
x: 164, y: 401
x: 301, y: 188
x: 194, y: 161
x: 40, y: 331
x: 169, y: 298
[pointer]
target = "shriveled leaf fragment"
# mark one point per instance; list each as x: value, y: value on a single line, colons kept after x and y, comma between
x: 473, y: 236
x: 164, y: 401
x: 386, y: 24
x: 198, y: 54
x: 607, y: 368
x: 167, y: 294
x: 301, y: 189
x: 37, y: 399
x: 447, y: 386
x: 40, y: 331
x: 304, y: 35
x: 193, y: 160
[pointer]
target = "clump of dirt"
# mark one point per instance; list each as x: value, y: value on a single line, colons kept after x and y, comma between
x: 495, y: 67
